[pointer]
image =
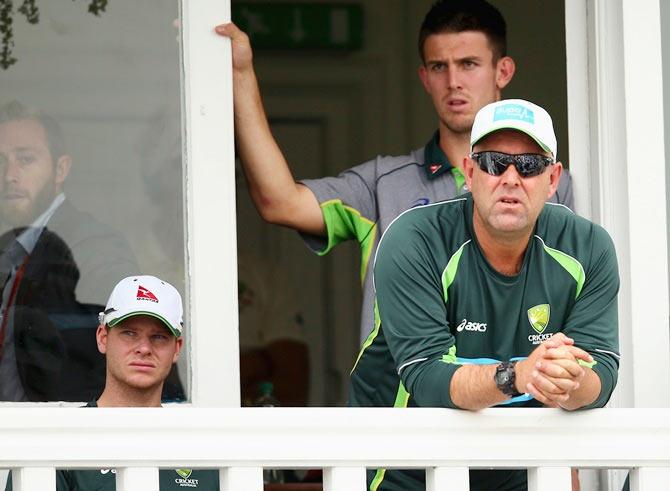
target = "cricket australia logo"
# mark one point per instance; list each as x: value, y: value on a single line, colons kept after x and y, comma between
x: 184, y: 480
x: 185, y: 473
x: 538, y: 317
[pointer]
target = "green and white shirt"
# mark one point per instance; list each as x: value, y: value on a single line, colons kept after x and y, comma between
x: 105, y: 479
x: 440, y: 305
x: 361, y: 203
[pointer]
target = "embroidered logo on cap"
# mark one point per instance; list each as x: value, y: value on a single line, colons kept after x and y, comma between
x: 144, y: 294
x: 514, y: 111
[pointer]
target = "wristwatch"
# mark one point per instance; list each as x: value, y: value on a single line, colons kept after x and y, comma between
x: 505, y: 377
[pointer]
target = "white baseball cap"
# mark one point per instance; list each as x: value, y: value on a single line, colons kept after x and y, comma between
x: 515, y: 114
x: 144, y: 295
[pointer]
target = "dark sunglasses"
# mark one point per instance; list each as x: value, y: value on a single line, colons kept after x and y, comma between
x: 527, y: 164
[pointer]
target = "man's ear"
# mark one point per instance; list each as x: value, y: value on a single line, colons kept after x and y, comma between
x: 63, y: 165
x: 505, y: 68
x: 180, y: 343
x: 101, y: 338
x: 554, y: 178
x: 423, y: 75
x: 468, y: 169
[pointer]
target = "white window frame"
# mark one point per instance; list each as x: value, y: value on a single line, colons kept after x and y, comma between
x: 615, y: 114
x: 211, y: 295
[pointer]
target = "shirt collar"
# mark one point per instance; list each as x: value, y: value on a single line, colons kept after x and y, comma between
x: 29, y: 236
x: 436, y: 162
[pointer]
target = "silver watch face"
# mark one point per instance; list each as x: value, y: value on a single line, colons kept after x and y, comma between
x: 503, y: 376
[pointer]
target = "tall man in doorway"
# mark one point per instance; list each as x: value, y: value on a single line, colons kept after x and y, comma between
x: 57, y: 265
x: 462, y: 44
x: 495, y: 297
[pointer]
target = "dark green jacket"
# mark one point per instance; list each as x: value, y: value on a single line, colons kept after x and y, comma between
x: 105, y: 479
x: 440, y: 305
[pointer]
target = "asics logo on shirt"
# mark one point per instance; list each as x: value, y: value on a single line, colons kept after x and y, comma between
x: 471, y: 326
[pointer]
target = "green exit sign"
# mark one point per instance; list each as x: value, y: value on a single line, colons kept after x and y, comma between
x: 273, y: 25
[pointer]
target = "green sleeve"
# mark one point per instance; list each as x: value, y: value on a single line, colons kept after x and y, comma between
x: 344, y: 223
x: 349, y: 206
x: 413, y: 313
x: 593, y: 320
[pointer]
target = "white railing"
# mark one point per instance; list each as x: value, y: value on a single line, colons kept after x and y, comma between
x: 343, y: 442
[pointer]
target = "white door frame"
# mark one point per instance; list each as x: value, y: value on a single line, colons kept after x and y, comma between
x: 615, y: 109
x: 210, y: 205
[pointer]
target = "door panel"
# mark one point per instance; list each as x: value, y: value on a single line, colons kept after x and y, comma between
x: 326, y: 289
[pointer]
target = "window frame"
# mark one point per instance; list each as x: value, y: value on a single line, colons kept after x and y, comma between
x: 617, y: 156
x: 209, y: 188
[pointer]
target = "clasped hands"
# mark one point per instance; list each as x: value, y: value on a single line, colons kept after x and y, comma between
x: 552, y: 372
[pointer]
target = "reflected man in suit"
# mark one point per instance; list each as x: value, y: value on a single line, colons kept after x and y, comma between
x: 57, y: 264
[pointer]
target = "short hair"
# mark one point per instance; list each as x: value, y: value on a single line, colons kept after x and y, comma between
x: 466, y: 15
x: 15, y: 111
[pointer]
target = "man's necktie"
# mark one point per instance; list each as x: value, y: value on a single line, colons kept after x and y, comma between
x: 11, y: 258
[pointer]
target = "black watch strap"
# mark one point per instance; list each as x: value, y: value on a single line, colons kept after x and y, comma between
x: 505, y: 378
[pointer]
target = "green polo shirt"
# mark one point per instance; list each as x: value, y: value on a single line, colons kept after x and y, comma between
x: 441, y: 305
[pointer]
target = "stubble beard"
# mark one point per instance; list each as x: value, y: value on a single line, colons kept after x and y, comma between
x: 502, y: 226
x: 129, y: 384
x: 458, y: 125
x: 21, y: 216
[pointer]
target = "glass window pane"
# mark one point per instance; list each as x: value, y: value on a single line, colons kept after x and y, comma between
x: 90, y: 185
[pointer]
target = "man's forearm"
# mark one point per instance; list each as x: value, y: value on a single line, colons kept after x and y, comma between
x: 278, y: 198
x: 266, y: 170
x: 473, y: 387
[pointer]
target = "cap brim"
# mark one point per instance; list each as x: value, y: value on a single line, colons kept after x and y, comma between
x: 175, y: 332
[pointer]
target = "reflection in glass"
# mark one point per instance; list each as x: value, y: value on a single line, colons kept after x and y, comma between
x: 55, y: 262
x: 88, y: 196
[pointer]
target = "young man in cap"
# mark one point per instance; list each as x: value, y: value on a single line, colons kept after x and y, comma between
x: 140, y: 334
x: 462, y: 44
x: 493, y: 298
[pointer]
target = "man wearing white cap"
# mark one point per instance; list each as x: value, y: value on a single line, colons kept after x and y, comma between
x: 493, y: 298
x: 140, y: 334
